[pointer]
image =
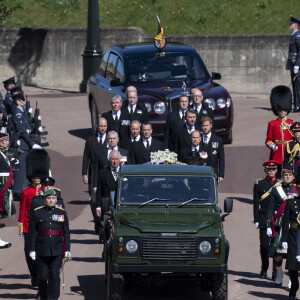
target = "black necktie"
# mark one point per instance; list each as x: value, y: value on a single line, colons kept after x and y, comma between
x: 134, y: 139
x: 100, y: 139
x: 131, y: 110
x: 147, y: 145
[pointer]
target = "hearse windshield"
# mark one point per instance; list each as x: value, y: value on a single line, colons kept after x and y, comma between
x: 174, y: 190
x: 165, y: 66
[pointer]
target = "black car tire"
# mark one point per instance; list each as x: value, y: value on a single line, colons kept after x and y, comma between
x: 220, y: 286
x: 114, y: 283
x: 227, y: 138
x: 94, y: 115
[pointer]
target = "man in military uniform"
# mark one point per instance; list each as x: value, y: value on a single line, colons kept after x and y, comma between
x: 290, y: 238
x: 292, y: 149
x: 37, y: 167
x: 279, y: 133
x: 22, y: 125
x: 49, y: 241
x: 279, y: 194
x: 293, y: 61
x: 5, y: 184
x: 8, y: 102
x: 261, y: 194
x: 47, y: 183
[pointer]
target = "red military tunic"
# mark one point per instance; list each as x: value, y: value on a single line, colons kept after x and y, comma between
x: 25, y: 202
x: 279, y: 133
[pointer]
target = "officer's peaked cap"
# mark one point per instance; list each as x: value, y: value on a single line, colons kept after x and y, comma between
x: 48, y: 181
x: 9, y: 80
x: 294, y: 20
x: 19, y: 96
x: 16, y: 89
x: 50, y: 193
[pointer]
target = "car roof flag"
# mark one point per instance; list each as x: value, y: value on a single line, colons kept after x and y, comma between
x: 160, y: 40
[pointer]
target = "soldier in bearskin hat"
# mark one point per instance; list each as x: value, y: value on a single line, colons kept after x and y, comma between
x: 279, y: 132
x: 37, y: 167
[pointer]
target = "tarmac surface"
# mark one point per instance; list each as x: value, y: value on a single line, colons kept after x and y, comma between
x: 67, y: 120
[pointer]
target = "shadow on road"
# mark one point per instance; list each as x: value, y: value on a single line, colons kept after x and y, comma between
x: 267, y: 295
x: 18, y: 296
x: 243, y: 274
x: 85, y: 284
x: 18, y: 276
x: 87, y: 259
x: 79, y: 202
x: 257, y: 283
x: 82, y: 133
x: 243, y: 200
x: 81, y: 231
x: 88, y: 242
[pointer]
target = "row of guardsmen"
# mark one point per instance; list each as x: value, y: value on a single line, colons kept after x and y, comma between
x: 276, y: 198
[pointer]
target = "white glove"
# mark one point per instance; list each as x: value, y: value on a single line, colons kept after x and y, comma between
x: 15, y: 161
x: 32, y: 254
x: 68, y: 256
x: 296, y: 69
x: 274, y: 147
x: 284, y: 245
x: 40, y: 129
x: 298, y: 258
x: 18, y: 142
x: 269, y: 232
x: 30, y: 110
x: 36, y: 146
x: 256, y: 225
x: 22, y: 236
x: 39, y: 118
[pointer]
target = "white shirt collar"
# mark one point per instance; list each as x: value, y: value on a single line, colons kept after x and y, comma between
x: 145, y: 140
x: 133, y: 107
x: 136, y: 139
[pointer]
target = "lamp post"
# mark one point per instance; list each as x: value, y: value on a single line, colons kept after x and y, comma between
x: 92, y: 54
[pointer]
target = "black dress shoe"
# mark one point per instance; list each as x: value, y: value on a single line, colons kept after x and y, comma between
x: 263, y: 274
x: 296, y: 109
x: 292, y: 295
x: 2, y: 225
x: 34, y: 282
x: 7, y: 245
x: 97, y: 228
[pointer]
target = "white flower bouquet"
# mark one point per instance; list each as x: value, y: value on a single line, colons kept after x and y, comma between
x: 161, y: 157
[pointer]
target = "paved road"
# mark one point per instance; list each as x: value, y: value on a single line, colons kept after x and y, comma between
x: 67, y: 118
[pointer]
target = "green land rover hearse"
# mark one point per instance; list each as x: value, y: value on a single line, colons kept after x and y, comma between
x: 166, y: 223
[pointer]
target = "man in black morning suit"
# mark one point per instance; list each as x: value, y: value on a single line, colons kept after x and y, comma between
x: 135, y: 109
x: 117, y: 119
x: 195, y: 150
x: 141, y: 150
x: 184, y: 132
x: 102, y: 160
x: 200, y: 107
x: 175, y: 119
x: 107, y: 183
x: 213, y: 145
x: 93, y: 145
x: 135, y: 129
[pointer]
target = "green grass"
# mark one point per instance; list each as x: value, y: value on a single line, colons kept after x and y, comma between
x: 177, y: 16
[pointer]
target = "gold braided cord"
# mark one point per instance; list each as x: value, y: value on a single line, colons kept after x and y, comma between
x: 292, y: 152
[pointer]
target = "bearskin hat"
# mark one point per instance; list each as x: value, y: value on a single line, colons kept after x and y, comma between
x: 281, y: 99
x: 37, y: 164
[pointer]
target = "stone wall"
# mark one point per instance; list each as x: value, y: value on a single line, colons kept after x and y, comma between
x: 52, y: 58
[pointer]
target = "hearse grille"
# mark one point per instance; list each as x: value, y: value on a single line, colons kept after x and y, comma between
x: 169, y: 248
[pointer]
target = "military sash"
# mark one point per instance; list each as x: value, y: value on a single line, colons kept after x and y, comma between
x: 292, y: 152
x: 267, y: 193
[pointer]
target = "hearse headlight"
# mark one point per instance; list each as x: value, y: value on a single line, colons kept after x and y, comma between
x: 205, y: 247
x: 211, y: 103
x: 159, y: 107
x: 131, y: 246
x: 148, y: 106
x: 221, y: 103
x: 228, y: 102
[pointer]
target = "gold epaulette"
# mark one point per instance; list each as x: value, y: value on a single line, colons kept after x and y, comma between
x: 39, y: 207
x: 60, y: 208
x: 20, y: 226
x: 57, y: 189
x: 267, y: 193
